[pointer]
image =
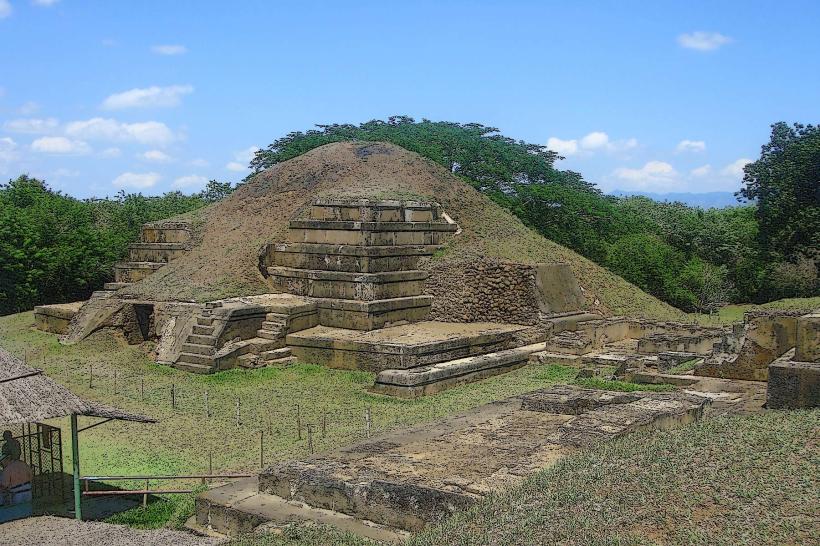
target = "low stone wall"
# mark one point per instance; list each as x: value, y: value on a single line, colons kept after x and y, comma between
x: 483, y: 291
x: 55, y: 318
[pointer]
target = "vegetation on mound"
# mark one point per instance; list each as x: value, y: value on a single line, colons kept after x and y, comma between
x: 691, y: 258
x: 731, y: 480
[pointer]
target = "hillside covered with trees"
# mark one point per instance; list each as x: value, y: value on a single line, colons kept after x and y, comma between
x: 54, y: 248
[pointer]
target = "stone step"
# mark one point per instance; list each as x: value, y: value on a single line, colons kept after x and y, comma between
x: 346, y: 285
x: 201, y: 330
x: 195, y: 358
x: 282, y: 362
x: 361, y: 210
x: 196, y: 348
x: 202, y: 340
x: 192, y: 367
x: 156, y: 252
x: 433, y: 378
x: 115, y: 285
x: 369, y: 233
x: 273, y: 326
x: 204, y: 321
x: 270, y: 334
x: 238, y: 508
x: 166, y: 232
x: 371, y: 315
x: 250, y: 361
x: 276, y: 317
x: 282, y: 352
x: 352, y: 258
x: 134, y: 271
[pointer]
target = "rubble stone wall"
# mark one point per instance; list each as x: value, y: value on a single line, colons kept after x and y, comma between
x: 483, y: 291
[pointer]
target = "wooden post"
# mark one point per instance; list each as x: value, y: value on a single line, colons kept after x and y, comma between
x: 298, y: 422
x: 75, y: 462
x: 145, y: 496
x: 310, y: 438
x: 238, y: 413
x: 173, y: 396
x: 210, y: 465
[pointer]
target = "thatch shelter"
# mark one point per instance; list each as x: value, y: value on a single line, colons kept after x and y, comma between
x: 27, y: 395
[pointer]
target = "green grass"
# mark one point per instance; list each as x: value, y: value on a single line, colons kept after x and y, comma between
x: 748, y: 480
x: 169, y: 511
x: 683, y: 367
x: 185, y: 439
x: 613, y: 385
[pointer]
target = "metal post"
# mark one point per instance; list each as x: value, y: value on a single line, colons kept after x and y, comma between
x: 75, y: 461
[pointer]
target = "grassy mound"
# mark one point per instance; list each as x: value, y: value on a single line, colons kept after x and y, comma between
x: 230, y: 233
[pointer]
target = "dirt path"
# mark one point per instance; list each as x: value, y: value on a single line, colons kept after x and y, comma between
x: 49, y: 530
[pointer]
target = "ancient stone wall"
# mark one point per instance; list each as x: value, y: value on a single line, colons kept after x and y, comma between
x: 483, y: 291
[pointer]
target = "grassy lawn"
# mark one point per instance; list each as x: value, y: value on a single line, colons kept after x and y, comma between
x: 733, y: 480
x: 270, y: 399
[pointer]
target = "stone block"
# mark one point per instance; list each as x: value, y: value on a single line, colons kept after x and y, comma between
x: 370, y: 315
x: 55, y: 318
x: 808, y: 338
x: 793, y: 385
x: 346, y: 285
x: 357, y: 259
x: 134, y: 271
x: 156, y: 252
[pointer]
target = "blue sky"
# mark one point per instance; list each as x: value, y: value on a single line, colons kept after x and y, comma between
x: 153, y: 96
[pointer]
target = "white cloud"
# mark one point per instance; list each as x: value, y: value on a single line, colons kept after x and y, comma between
x: 199, y: 162
x: 190, y: 181
x: 66, y: 173
x: 147, y: 132
x: 562, y: 147
x: 703, y: 41
x: 5, y: 8
x: 241, y: 159
x: 44, y: 3
x: 33, y: 126
x: 28, y: 108
x: 653, y: 175
x: 111, y: 152
x: 136, y: 180
x: 157, y: 156
x: 59, y: 145
x: 169, y: 49
x: 595, y: 140
x: 691, y: 146
x: 8, y: 152
x: 148, y: 97
x: 703, y: 170
x: 735, y: 168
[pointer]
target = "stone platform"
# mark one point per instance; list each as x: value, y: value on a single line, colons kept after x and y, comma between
x: 414, y: 477
x: 55, y: 318
x: 401, y: 347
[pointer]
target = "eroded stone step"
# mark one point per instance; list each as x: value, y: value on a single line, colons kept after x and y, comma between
x: 433, y: 378
x: 271, y: 334
x: 201, y: 330
x: 194, y: 367
x: 237, y: 509
x: 195, y: 358
x: 369, y: 233
x: 204, y: 321
x: 282, y: 352
x: 351, y: 258
x: 156, y: 252
x: 202, y: 339
x: 198, y: 349
x: 362, y: 210
x: 115, y: 285
x: 272, y: 325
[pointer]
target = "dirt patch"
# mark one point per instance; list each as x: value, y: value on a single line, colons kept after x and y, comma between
x: 229, y: 235
x: 49, y: 530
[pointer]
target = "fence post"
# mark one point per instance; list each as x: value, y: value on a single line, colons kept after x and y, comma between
x: 90, y: 375
x: 310, y: 438
x: 238, y: 415
x: 145, y: 495
x: 324, y: 424
x: 173, y: 396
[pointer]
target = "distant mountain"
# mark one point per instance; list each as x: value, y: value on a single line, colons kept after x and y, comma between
x: 708, y: 200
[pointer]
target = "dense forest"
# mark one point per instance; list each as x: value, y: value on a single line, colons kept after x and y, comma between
x: 54, y: 248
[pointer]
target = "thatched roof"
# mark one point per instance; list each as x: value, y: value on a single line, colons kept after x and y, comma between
x: 27, y: 396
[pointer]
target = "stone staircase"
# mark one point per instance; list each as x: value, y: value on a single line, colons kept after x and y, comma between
x: 200, y: 346
x: 275, y: 328
x: 359, y: 260
x: 159, y: 244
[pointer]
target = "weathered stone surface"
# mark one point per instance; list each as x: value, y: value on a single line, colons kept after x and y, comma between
x: 767, y: 335
x: 808, y: 338
x: 347, y: 285
x: 793, y: 384
x: 55, y: 318
x: 359, y: 259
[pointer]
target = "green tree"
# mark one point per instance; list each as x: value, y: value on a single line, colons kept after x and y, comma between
x: 785, y: 183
